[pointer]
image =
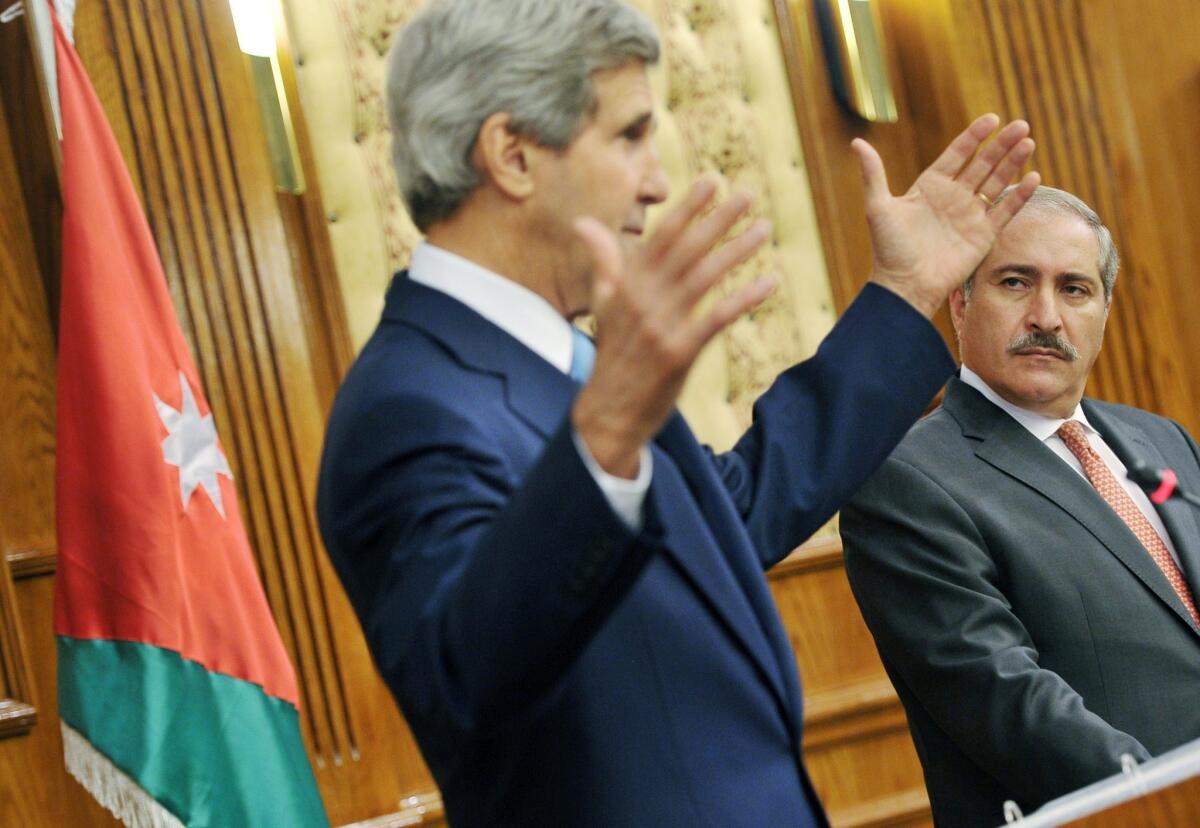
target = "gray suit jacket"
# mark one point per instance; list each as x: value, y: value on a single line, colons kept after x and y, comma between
x: 1031, y: 638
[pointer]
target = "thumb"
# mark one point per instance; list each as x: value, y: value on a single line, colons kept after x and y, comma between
x: 606, y: 258
x: 874, y: 176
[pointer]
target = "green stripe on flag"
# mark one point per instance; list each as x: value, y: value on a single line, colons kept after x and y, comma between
x: 214, y: 750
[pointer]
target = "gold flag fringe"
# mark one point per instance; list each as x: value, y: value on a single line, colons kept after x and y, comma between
x: 111, y: 786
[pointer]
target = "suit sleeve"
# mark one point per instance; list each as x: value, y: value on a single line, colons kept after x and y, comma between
x: 827, y: 423
x: 933, y: 599
x: 476, y: 589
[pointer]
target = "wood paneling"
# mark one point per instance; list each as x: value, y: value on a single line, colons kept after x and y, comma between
x: 24, y: 102
x: 34, y: 787
x: 856, y: 741
x: 27, y: 399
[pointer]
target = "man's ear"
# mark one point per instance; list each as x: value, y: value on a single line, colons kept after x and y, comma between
x: 958, y: 309
x: 502, y: 156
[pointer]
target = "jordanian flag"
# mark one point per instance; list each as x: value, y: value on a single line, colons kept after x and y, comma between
x: 177, y: 699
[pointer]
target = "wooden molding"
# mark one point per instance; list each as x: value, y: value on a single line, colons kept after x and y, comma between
x: 16, y: 717
x: 29, y: 563
x: 852, y: 713
x: 17, y: 713
x: 910, y: 807
x: 423, y: 808
x: 816, y: 554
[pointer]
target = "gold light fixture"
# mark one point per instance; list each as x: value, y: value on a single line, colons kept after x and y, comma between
x: 254, y: 21
x: 856, y: 54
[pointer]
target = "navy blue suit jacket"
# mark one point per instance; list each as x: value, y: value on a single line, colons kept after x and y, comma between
x: 555, y: 667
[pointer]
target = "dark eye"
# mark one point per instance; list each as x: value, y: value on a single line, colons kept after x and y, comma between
x: 1076, y: 290
x: 1012, y: 282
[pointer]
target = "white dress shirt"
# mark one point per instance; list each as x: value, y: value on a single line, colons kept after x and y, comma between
x: 1046, y: 430
x: 533, y: 322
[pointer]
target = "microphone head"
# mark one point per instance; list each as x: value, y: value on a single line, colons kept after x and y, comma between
x: 1147, y: 476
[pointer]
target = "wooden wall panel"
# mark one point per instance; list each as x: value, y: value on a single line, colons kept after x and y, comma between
x: 856, y: 739
x: 27, y: 437
x: 34, y: 787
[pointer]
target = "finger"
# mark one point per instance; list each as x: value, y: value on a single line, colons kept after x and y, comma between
x: 729, y: 309
x: 952, y: 160
x: 700, y: 237
x: 725, y: 258
x: 676, y: 221
x: 978, y: 170
x: 608, y: 263
x: 874, y: 176
x: 1008, y: 169
x: 1008, y: 206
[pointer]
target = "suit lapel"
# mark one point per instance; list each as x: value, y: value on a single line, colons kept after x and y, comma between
x: 1008, y: 446
x: 535, y: 390
x: 541, y: 395
x: 1131, y: 445
x: 724, y: 567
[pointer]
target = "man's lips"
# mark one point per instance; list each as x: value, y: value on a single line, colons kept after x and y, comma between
x: 1050, y: 352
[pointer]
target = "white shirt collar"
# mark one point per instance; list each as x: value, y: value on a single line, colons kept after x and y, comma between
x: 513, y: 308
x: 1039, y: 425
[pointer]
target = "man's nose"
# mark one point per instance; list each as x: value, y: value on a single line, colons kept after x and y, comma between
x: 655, y: 185
x: 1044, y: 314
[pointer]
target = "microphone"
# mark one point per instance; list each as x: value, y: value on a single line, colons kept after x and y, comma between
x: 1159, y: 484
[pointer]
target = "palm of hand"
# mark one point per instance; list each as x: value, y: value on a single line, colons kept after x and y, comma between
x: 938, y: 229
x: 929, y: 240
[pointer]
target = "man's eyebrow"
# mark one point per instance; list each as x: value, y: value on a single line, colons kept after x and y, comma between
x: 1030, y: 270
x: 1022, y: 269
x: 1071, y: 275
x: 642, y: 121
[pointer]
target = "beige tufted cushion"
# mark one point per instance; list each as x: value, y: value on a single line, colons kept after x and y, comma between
x: 726, y: 110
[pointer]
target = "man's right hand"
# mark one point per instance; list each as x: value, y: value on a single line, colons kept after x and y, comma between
x: 648, y: 330
x: 929, y: 240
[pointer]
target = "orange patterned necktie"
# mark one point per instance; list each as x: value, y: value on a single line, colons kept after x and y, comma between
x: 1115, y: 495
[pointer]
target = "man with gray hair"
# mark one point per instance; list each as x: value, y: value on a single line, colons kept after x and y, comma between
x: 1035, y: 610
x: 561, y: 587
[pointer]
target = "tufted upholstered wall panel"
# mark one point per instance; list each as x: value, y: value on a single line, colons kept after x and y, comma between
x: 725, y: 109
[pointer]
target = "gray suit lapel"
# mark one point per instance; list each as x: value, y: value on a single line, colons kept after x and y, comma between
x: 1008, y: 446
x: 1132, y: 445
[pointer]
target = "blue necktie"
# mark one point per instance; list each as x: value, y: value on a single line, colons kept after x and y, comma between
x: 583, y: 356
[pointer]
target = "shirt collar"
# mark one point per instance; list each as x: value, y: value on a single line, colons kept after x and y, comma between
x: 513, y: 308
x: 1039, y: 425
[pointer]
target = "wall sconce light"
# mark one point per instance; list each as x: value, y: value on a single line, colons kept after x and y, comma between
x: 855, y: 52
x: 254, y: 21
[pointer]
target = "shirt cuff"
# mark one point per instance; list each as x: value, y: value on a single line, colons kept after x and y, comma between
x: 625, y: 497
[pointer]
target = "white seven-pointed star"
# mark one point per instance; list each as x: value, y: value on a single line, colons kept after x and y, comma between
x: 192, y: 446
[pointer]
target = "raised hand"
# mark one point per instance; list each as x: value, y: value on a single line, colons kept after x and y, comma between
x: 648, y: 330
x: 929, y: 240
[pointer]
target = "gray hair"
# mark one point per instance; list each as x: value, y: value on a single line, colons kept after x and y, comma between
x: 1060, y: 201
x: 460, y: 61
